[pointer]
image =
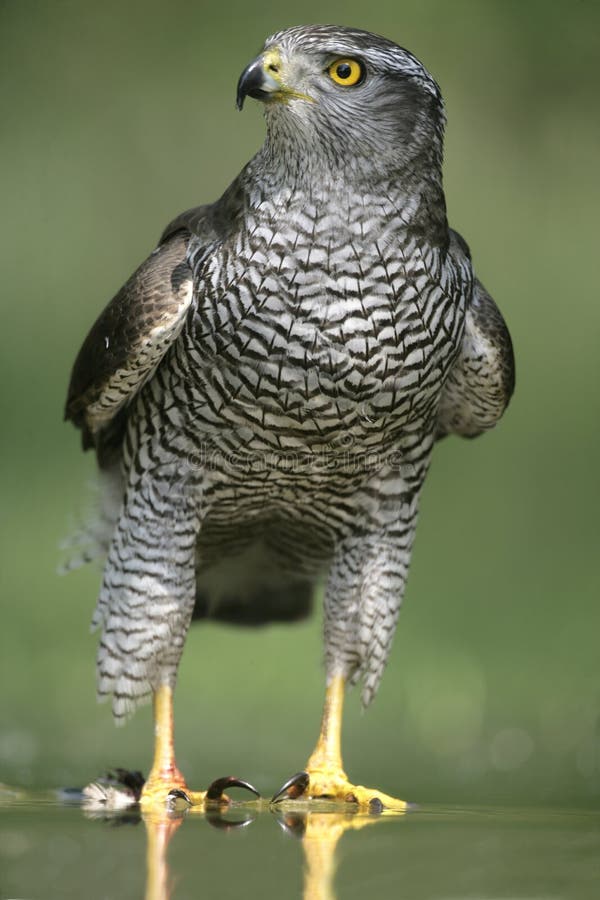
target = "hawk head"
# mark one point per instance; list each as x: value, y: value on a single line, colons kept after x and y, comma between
x: 347, y: 94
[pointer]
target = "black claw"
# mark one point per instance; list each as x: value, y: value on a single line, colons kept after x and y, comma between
x: 176, y: 794
x: 217, y: 820
x: 294, y: 824
x: 219, y: 785
x: 293, y: 788
x: 376, y: 807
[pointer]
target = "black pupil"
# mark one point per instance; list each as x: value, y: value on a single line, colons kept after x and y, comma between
x: 343, y: 71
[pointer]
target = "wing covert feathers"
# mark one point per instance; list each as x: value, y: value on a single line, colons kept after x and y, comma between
x: 129, y: 339
x: 482, y: 380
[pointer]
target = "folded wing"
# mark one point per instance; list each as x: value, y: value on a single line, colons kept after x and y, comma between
x: 482, y: 380
x: 128, y: 341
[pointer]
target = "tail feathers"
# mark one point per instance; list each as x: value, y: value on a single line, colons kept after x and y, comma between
x: 258, y: 605
x: 251, y: 588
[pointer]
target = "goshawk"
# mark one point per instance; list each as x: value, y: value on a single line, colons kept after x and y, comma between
x: 264, y: 393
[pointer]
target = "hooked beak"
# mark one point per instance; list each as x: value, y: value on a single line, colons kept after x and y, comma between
x: 257, y: 82
x: 263, y: 80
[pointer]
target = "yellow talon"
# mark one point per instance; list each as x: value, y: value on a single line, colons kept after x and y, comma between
x: 324, y: 776
x: 166, y: 784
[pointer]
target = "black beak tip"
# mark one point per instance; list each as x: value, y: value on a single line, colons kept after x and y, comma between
x: 240, y: 96
x: 251, y: 83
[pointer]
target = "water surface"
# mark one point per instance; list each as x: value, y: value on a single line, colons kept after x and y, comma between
x: 49, y: 849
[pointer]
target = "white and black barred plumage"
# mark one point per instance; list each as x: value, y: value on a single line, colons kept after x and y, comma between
x: 267, y: 388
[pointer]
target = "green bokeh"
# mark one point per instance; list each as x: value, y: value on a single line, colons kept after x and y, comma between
x: 117, y: 116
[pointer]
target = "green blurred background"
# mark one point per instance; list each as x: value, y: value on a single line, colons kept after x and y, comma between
x: 115, y: 116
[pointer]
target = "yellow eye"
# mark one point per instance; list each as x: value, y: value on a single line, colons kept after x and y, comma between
x: 346, y: 72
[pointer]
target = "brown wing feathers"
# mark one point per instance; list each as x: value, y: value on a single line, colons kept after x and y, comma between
x: 129, y: 338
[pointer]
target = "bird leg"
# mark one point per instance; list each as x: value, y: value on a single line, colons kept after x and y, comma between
x: 165, y: 784
x: 324, y: 776
x: 325, y: 767
x: 164, y: 775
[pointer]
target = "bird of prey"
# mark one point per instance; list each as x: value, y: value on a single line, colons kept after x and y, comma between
x: 264, y: 394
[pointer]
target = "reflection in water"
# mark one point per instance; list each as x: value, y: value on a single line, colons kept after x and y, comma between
x: 319, y: 825
x: 159, y: 831
x: 319, y: 833
x: 480, y: 852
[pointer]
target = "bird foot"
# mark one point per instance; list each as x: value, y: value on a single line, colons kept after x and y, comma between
x: 170, y: 791
x: 333, y: 785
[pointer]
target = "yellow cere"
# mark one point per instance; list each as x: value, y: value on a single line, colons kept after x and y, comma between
x: 272, y: 63
x: 273, y: 66
x: 346, y: 72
